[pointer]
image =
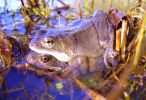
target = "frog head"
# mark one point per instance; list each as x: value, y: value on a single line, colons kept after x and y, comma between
x: 49, y: 43
x: 44, y: 61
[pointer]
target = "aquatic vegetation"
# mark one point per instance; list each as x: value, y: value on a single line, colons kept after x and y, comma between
x: 141, y: 36
x: 126, y: 80
x: 59, y: 86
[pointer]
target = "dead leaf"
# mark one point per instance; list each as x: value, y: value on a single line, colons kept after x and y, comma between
x: 5, y: 50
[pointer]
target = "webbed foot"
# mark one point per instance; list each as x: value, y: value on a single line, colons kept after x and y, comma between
x: 110, y: 58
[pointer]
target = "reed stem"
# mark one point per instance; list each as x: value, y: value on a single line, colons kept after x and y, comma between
x: 141, y: 35
x: 118, y: 40
x: 123, y: 40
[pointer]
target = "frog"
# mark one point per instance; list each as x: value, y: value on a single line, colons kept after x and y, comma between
x: 50, y: 63
x: 79, y: 41
x: 45, y: 61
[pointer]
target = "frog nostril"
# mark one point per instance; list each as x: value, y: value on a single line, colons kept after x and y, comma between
x: 32, y: 58
x: 36, y: 44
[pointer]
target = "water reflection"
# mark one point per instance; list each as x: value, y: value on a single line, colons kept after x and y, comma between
x: 8, y: 24
x: 26, y: 85
x: 99, y: 4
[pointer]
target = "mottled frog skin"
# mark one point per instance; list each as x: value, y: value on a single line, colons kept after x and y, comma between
x: 86, y: 38
x: 45, y: 61
x: 48, y: 62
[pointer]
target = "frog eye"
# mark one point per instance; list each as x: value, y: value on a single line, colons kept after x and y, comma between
x: 45, y: 58
x: 48, y: 41
x: 32, y: 58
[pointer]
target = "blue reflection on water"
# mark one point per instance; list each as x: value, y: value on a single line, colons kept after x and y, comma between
x: 18, y: 85
x: 36, y: 87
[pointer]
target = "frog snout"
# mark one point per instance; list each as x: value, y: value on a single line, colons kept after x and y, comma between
x: 33, y: 44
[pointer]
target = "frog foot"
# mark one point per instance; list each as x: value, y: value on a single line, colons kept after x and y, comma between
x: 110, y: 57
x: 106, y: 64
x: 70, y: 71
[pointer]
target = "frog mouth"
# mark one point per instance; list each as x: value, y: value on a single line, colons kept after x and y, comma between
x: 61, y: 56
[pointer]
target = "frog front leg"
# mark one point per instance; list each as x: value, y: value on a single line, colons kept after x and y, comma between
x: 77, y: 66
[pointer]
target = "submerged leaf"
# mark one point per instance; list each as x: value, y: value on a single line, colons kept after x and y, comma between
x: 59, y: 85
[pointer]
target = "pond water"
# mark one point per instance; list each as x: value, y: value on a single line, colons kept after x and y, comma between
x: 24, y: 84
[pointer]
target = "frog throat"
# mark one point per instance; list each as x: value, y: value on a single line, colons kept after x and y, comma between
x: 61, y: 56
x: 64, y: 53
x: 64, y: 48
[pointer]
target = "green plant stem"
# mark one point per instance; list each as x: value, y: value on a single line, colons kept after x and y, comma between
x: 138, y: 47
x: 92, y: 6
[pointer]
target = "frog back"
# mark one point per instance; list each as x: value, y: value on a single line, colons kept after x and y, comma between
x: 90, y: 36
x: 84, y: 40
x: 104, y: 27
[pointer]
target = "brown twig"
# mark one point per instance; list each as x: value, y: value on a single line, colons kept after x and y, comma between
x: 124, y: 40
x: 22, y: 2
x: 13, y: 90
x: 133, y: 43
x: 95, y: 96
x: 80, y: 13
x: 42, y: 72
x: 68, y: 17
x: 118, y: 40
x: 62, y: 7
x: 113, y: 75
x: 113, y: 95
x: 62, y: 2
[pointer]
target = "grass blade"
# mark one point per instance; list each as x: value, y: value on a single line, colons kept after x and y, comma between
x: 138, y: 47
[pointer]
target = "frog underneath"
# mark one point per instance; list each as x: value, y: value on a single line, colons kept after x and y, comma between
x: 48, y: 62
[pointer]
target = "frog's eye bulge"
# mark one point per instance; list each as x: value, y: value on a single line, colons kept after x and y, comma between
x: 45, y: 58
x: 48, y: 42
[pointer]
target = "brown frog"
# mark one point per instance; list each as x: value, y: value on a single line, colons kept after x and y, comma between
x: 79, y: 42
x: 48, y: 62
x: 45, y: 61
